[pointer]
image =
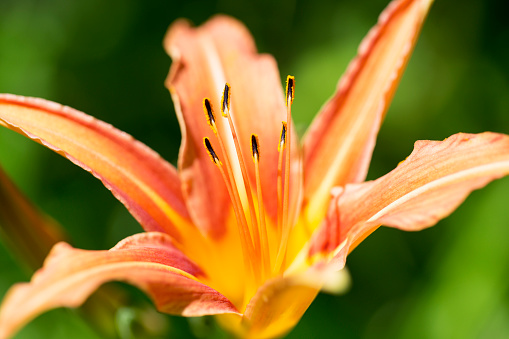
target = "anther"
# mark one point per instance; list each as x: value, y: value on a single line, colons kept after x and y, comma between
x: 255, y: 152
x: 209, y: 113
x: 282, y: 138
x: 211, y: 152
x: 225, y: 100
x: 290, y: 89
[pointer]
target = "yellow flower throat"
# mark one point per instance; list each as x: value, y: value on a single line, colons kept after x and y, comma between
x: 254, y: 240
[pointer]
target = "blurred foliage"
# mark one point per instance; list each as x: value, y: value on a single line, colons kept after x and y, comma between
x: 106, y: 58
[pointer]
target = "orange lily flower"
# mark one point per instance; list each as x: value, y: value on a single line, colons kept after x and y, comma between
x: 252, y: 224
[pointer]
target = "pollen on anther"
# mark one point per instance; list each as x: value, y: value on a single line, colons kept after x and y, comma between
x: 255, y: 147
x: 209, y: 113
x: 211, y: 152
x: 282, y: 138
x: 290, y: 89
x: 225, y: 100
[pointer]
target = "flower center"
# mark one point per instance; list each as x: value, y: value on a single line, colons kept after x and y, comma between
x: 253, y: 236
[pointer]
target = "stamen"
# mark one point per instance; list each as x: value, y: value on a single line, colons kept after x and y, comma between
x: 247, y: 246
x: 225, y: 106
x: 255, y: 149
x: 211, y: 119
x: 209, y: 113
x: 280, y: 148
x: 290, y: 92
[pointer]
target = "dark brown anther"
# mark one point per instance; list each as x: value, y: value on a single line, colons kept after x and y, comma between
x: 211, y: 152
x: 290, y: 89
x: 207, y: 106
x: 255, y: 150
x: 282, y: 138
x: 225, y: 100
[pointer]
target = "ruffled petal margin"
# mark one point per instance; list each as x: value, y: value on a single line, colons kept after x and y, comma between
x: 204, y: 59
x: 426, y: 187
x: 146, y: 184
x: 149, y: 261
x: 341, y: 139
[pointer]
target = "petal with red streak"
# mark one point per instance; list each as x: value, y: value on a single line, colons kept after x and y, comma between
x: 340, y: 141
x: 428, y: 186
x: 136, y: 175
x: 204, y: 59
x: 148, y: 261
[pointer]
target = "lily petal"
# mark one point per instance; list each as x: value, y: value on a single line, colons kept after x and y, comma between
x: 204, y: 59
x: 428, y: 186
x: 148, y: 260
x: 278, y: 305
x: 30, y: 233
x: 146, y: 184
x: 340, y: 141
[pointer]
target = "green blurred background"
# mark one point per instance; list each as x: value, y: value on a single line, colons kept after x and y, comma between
x: 106, y: 59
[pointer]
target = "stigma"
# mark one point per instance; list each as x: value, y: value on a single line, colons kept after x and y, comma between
x: 263, y: 250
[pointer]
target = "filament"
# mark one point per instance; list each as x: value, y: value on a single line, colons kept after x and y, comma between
x: 225, y: 107
x: 280, y: 148
x: 247, y: 249
x: 255, y: 149
x: 290, y: 91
